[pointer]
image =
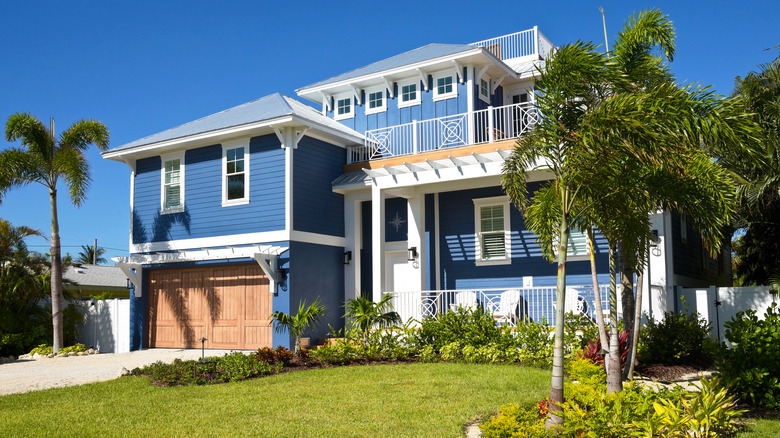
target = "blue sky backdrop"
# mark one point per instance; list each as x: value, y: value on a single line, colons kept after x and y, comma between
x: 146, y: 66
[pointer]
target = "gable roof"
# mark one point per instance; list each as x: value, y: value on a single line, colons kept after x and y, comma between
x: 425, y: 53
x: 263, y: 109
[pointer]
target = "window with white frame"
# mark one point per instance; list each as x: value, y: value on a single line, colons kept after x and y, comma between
x: 344, y: 107
x: 409, y: 93
x: 235, y: 173
x: 491, y: 217
x: 444, y: 86
x: 172, y: 197
x: 577, y: 248
x: 376, y: 100
x: 484, y: 90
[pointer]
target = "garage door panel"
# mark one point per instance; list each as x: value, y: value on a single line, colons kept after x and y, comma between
x: 230, y: 306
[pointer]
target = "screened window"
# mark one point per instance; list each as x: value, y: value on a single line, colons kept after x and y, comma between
x: 172, y: 184
x: 492, y: 230
x: 235, y: 180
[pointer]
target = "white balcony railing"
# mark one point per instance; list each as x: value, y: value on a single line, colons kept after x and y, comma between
x: 483, y: 126
x: 519, y: 304
x: 518, y: 45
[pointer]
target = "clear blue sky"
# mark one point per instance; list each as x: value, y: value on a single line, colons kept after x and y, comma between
x: 142, y: 67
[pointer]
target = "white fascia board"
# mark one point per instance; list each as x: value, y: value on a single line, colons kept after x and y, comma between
x: 209, y: 242
x: 349, y: 139
x: 318, y: 239
x: 188, y: 141
x: 374, y: 76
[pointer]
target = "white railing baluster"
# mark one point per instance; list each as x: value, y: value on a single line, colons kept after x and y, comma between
x: 491, y: 127
x: 415, y: 145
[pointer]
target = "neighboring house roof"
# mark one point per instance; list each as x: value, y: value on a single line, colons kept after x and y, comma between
x: 268, y: 108
x: 425, y: 53
x: 96, y: 276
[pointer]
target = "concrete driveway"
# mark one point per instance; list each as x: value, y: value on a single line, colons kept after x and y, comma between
x: 34, y: 374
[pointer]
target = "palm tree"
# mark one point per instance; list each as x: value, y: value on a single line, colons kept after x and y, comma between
x: 87, y: 255
x: 307, y: 316
x: 45, y: 159
x: 365, y: 314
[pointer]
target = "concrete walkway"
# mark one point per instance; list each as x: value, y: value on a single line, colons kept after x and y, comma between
x: 34, y: 374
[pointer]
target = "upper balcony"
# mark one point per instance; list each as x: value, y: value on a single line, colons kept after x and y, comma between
x: 476, y: 127
x: 518, y: 47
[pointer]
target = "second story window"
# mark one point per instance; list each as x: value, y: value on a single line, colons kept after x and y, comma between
x: 235, y: 176
x: 376, y: 100
x: 444, y: 86
x: 172, y: 184
x: 484, y: 90
x: 409, y: 93
x: 344, y: 109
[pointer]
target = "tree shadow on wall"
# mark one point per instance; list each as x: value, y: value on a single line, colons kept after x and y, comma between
x: 160, y: 227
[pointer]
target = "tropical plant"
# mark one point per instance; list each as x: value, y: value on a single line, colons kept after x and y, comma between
x: 88, y: 256
x: 46, y: 159
x: 364, y: 314
x: 304, y: 318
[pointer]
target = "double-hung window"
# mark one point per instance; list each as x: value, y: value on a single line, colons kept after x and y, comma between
x: 235, y: 173
x: 491, y: 217
x: 344, y: 107
x: 376, y: 101
x: 172, y: 194
x: 444, y: 86
x: 484, y: 90
x: 408, y: 93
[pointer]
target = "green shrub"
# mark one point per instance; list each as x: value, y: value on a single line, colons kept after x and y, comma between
x: 514, y: 422
x: 236, y: 366
x: 465, y: 326
x: 586, y: 372
x: 179, y: 372
x: 752, y: 365
x: 678, y: 339
x: 45, y: 349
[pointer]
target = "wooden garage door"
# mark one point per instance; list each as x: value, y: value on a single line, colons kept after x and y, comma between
x: 228, y: 305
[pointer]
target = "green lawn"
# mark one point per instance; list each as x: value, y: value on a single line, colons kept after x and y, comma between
x: 414, y: 400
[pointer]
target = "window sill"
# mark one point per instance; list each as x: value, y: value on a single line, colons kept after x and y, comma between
x: 493, y: 262
x: 235, y: 202
x: 408, y: 103
x: 344, y: 116
x: 172, y: 210
x: 445, y: 96
x: 376, y: 110
x: 484, y: 99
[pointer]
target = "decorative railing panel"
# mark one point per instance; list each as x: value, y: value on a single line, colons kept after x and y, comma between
x: 483, y: 126
x: 508, y: 305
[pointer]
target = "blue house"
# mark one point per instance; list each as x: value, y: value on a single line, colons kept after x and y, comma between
x: 387, y: 182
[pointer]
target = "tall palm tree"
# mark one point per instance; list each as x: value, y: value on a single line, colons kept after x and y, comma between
x: 46, y: 159
x: 87, y: 255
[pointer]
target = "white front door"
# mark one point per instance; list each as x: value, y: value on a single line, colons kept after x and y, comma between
x: 402, y: 278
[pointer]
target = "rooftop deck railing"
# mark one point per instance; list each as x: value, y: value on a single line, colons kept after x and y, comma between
x: 508, y: 305
x: 483, y: 126
x: 517, y: 45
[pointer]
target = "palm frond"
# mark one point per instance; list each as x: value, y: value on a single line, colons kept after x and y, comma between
x: 84, y: 133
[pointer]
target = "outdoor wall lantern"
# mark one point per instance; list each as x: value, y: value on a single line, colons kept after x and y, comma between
x: 655, y: 242
x: 347, y: 257
x: 281, y: 278
x: 412, y: 254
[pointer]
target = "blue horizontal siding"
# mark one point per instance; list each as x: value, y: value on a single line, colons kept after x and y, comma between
x: 458, y: 244
x: 204, y: 215
x: 316, y: 208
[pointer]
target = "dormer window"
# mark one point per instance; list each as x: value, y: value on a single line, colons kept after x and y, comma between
x: 344, y: 108
x: 444, y: 86
x: 409, y: 93
x: 484, y: 90
x: 376, y: 100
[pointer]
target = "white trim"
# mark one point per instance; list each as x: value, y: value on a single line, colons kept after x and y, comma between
x: 209, y: 242
x: 132, y: 205
x: 400, y: 96
x: 165, y: 158
x: 244, y: 144
x: 358, y: 94
x: 441, y: 75
x: 437, y: 249
x: 485, y: 99
x: 569, y: 256
x: 389, y: 86
x: 344, y: 96
x: 374, y: 90
x: 288, y: 190
x: 318, y: 239
x: 479, y: 204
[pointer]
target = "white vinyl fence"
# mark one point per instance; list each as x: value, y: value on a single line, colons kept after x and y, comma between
x: 729, y: 300
x: 107, y: 325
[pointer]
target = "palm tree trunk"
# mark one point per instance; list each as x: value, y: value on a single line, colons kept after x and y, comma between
x: 629, y: 371
x: 627, y: 282
x: 556, y: 386
x: 614, y: 383
x: 596, y: 291
x: 56, y: 275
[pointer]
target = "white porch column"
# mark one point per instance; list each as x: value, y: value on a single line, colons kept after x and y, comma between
x: 352, y: 234
x: 657, y: 288
x: 377, y: 242
x: 416, y: 236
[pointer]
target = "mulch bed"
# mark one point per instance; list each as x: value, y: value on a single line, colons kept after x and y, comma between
x: 665, y: 373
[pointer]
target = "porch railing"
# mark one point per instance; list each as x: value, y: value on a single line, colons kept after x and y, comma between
x: 537, y: 304
x: 517, y: 45
x: 483, y: 126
